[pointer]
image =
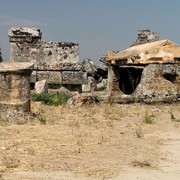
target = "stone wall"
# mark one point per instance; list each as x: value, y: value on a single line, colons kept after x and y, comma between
x: 113, y: 79
x: 145, y: 36
x: 26, y: 46
x: 52, y: 60
x: 45, y: 54
x: 158, y: 83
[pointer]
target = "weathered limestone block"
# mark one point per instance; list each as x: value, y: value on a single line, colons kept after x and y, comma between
x: 90, y: 86
x: 93, y: 83
x: 24, y: 34
x: 159, y: 83
x: 33, y: 77
x: 113, y: 79
x: 89, y: 67
x: 86, y: 88
x: 74, y: 77
x: 15, y: 88
x: 58, y: 66
x: 52, y: 77
x: 65, y: 91
x: 41, y: 86
x: 44, y: 57
x: 102, y: 85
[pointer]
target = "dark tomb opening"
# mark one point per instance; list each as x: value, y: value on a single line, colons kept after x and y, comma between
x: 170, y: 77
x: 129, y: 79
x: 32, y: 85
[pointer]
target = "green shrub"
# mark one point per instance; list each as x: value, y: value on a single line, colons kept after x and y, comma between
x: 51, y: 99
x: 149, y: 119
x: 103, y: 88
x: 3, y: 121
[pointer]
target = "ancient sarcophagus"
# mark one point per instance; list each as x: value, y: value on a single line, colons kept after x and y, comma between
x: 15, y: 88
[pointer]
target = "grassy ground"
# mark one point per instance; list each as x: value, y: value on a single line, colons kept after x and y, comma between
x: 97, y: 141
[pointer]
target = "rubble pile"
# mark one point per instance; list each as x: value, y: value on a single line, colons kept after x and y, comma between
x: 145, y: 36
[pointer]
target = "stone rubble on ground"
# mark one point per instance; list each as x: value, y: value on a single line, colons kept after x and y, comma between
x: 95, y: 75
x: 64, y: 90
x: 41, y: 86
x: 82, y: 100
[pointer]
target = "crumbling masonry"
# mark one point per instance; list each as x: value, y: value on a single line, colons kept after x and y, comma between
x: 15, y: 89
x: 145, y: 36
x: 147, y: 72
x: 58, y: 63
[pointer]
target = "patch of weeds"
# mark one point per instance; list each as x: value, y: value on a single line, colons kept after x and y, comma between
x: 51, y: 99
x: 41, y: 119
x: 141, y: 164
x: 176, y: 125
x: 98, y: 99
x: 32, y: 166
x: 79, y: 141
x: 10, y: 162
x: 149, y: 119
x: 102, y: 88
x: 102, y: 140
x: 112, y: 104
x: 3, y: 122
x: 60, y: 99
x: 21, y: 121
x: 122, y: 114
x: 77, y: 151
x: 139, y: 133
x: 31, y: 151
x: 43, y: 97
x: 74, y: 123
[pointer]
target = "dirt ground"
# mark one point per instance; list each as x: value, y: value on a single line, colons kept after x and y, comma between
x: 106, y: 141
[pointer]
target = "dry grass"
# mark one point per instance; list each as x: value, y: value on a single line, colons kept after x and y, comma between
x: 96, y: 141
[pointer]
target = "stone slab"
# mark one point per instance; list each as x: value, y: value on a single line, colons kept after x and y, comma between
x: 52, y: 77
x: 15, y: 66
x: 74, y: 77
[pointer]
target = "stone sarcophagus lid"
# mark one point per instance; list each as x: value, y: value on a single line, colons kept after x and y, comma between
x: 24, y: 34
x: 15, y: 88
x: 158, y: 52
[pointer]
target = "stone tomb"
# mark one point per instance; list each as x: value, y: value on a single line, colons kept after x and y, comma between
x: 56, y: 62
x: 15, y: 88
x: 148, y: 72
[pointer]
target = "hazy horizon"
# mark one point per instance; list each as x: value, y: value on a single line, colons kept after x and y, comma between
x: 97, y: 25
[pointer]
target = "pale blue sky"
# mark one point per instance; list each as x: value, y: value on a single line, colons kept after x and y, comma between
x: 98, y: 25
